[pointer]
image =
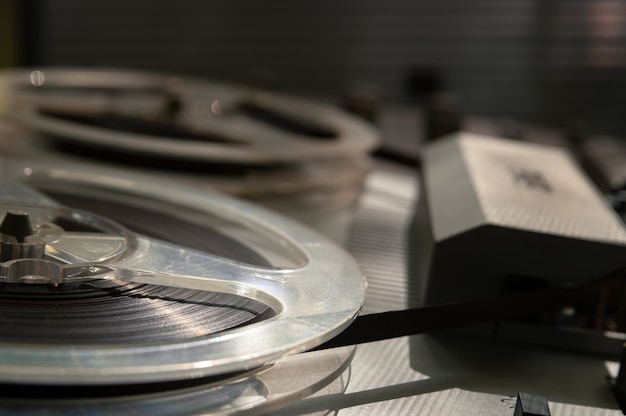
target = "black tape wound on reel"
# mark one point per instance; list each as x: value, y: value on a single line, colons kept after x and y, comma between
x: 126, y: 312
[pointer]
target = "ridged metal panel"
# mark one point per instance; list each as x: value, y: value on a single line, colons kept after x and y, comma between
x: 378, y: 237
x: 535, y: 60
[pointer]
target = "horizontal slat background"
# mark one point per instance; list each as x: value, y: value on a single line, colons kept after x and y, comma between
x: 534, y: 60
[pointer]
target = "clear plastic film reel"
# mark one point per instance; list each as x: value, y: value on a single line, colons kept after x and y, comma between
x: 313, y: 287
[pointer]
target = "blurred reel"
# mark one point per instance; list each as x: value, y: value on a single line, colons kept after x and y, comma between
x: 180, y: 118
x: 302, y: 159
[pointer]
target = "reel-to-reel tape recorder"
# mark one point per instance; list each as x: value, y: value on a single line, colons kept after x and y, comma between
x: 129, y: 282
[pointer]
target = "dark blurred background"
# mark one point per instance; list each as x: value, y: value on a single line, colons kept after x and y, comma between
x: 539, y: 61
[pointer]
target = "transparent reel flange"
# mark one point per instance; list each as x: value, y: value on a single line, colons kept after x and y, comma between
x: 97, y: 316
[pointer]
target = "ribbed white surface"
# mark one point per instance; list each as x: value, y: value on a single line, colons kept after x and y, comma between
x: 378, y: 237
x: 452, y: 199
x: 539, y: 188
x: 515, y: 185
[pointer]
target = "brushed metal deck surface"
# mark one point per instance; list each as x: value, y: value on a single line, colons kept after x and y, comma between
x: 446, y: 374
